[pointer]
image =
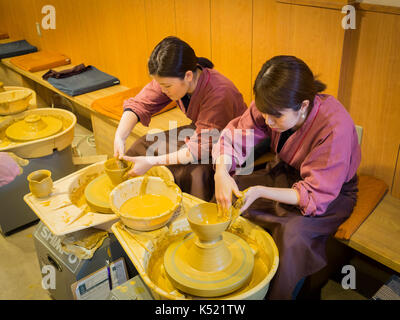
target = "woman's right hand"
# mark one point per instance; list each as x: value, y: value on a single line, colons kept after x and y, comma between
x: 119, y: 147
x: 224, y: 186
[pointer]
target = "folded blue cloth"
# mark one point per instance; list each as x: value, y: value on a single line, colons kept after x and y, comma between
x: 90, y: 80
x: 16, y: 48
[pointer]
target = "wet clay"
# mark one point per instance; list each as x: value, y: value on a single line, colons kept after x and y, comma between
x: 147, y: 205
x: 157, y: 274
x: 34, y: 127
x: 6, y: 141
x: 77, y: 195
x: 210, y: 262
x: 208, y: 215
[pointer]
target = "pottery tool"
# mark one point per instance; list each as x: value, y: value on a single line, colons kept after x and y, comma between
x: 235, y: 209
x: 120, y: 164
x: 109, y: 274
x: 143, y: 186
x: 134, y: 238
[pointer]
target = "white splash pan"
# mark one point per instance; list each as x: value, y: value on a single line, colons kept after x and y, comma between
x: 41, y: 147
x: 139, y: 247
x: 59, y: 214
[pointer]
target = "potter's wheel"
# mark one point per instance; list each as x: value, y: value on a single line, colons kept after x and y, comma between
x: 186, y: 274
x: 97, y: 194
x: 34, y: 127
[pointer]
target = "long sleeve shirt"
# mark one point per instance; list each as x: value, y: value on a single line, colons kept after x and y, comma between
x: 324, y: 149
x: 214, y: 103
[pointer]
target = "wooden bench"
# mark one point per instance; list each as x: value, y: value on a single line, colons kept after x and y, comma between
x: 378, y: 237
x: 103, y: 127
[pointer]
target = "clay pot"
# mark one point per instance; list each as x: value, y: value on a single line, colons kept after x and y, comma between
x: 116, y: 170
x: 40, y: 183
x: 204, y: 222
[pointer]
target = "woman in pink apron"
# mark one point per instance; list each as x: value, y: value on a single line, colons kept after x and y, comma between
x: 206, y: 97
x: 310, y: 189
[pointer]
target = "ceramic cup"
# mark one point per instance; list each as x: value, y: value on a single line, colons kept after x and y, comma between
x: 116, y: 170
x: 40, y: 183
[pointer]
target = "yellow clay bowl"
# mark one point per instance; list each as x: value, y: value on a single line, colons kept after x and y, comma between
x: 155, y: 185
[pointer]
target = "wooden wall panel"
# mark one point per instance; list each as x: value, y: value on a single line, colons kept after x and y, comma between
x: 20, y: 20
x: 231, y: 36
x: 312, y: 34
x: 396, y: 177
x: 193, y: 25
x: 239, y: 36
x: 160, y: 21
x: 3, y: 17
x: 114, y: 42
x: 265, y: 34
x: 371, y: 91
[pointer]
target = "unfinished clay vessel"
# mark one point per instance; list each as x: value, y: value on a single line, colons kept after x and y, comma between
x: 210, y: 262
x: 116, y: 170
x: 40, y: 183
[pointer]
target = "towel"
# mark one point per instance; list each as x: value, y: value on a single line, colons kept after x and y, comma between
x: 87, y: 79
x: 66, y: 73
x: 83, y: 243
x: 112, y: 105
x: 39, y: 61
x: 15, y: 48
x: 370, y: 192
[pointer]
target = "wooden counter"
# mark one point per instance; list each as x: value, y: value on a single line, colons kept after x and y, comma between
x: 103, y: 127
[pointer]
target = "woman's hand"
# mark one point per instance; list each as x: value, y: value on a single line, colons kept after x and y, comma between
x: 140, y: 165
x: 119, y: 147
x: 251, y: 195
x: 224, y: 186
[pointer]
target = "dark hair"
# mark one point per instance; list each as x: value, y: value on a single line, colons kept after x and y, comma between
x: 285, y: 82
x: 173, y: 57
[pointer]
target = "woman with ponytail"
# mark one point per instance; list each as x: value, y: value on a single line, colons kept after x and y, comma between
x: 206, y: 97
x: 310, y: 188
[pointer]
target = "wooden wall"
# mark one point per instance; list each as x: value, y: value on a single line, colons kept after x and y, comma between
x: 237, y: 35
x: 370, y: 89
x: 361, y: 67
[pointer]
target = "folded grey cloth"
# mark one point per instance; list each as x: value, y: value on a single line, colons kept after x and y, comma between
x: 16, y: 48
x: 89, y: 80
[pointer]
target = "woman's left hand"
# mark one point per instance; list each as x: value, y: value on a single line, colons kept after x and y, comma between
x: 140, y: 165
x: 251, y: 195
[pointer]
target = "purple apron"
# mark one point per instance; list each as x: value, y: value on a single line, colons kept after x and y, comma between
x: 301, y: 240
